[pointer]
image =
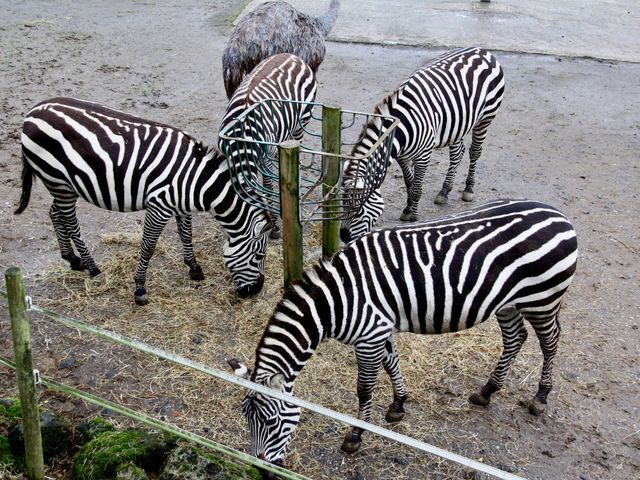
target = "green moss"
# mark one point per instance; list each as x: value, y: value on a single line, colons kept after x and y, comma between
x: 231, y: 469
x: 10, y: 411
x: 100, y: 458
x: 87, y: 431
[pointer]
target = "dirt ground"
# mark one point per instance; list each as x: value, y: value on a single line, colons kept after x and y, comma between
x: 567, y: 134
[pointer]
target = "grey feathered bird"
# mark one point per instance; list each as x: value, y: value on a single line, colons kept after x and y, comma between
x: 272, y: 28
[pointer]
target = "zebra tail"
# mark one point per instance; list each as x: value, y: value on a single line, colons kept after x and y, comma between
x: 27, y: 182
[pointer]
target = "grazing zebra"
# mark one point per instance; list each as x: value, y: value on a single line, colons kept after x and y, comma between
x: 124, y: 163
x: 290, y: 86
x: 510, y: 258
x: 457, y: 93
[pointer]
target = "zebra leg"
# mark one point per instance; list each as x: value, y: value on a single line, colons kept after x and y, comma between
x: 186, y: 237
x: 407, y: 174
x: 456, y: 152
x: 64, y: 242
x: 395, y: 413
x: 276, y: 231
x: 514, y: 335
x: 369, y: 358
x: 477, y: 139
x: 71, y: 227
x: 414, y: 192
x: 154, y: 222
x: 548, y: 333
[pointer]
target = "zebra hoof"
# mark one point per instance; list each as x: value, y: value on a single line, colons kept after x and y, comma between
x: 393, y: 416
x: 141, y: 296
x: 142, y: 299
x: 407, y: 217
x: 351, y: 443
x: 440, y: 199
x: 76, y: 264
x: 467, y: 196
x: 479, y: 399
x: 196, y: 274
x: 94, y: 272
x: 535, y: 406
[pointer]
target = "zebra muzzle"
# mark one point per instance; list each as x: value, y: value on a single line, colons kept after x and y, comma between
x: 251, y: 289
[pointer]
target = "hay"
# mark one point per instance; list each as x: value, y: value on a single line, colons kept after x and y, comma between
x: 206, y: 322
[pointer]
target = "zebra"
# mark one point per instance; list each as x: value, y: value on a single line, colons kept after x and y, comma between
x: 457, y: 93
x: 510, y: 258
x: 290, y: 85
x: 124, y: 163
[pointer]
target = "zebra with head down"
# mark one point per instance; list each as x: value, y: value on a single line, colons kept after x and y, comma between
x: 512, y: 258
x: 457, y: 93
x: 125, y: 163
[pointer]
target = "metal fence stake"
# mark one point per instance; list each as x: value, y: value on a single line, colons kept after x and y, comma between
x: 24, y: 372
x: 289, y: 153
x: 331, y: 143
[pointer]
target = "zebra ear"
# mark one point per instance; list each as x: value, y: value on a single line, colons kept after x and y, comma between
x: 276, y: 382
x: 239, y: 368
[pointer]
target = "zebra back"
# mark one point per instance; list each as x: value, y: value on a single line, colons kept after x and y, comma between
x: 111, y: 159
x: 444, y: 275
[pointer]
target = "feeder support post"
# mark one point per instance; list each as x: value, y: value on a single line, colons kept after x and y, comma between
x: 21, y: 333
x: 331, y: 143
x: 289, y: 153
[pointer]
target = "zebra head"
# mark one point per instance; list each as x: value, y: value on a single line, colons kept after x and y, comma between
x: 271, y: 421
x: 361, y: 221
x: 244, y: 253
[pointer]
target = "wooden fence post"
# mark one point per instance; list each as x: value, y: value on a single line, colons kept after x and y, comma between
x: 24, y: 372
x: 331, y: 143
x: 289, y: 153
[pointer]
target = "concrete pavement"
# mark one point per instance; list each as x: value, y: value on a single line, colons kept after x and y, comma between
x: 608, y: 30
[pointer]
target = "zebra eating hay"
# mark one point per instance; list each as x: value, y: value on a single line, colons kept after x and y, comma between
x: 457, y: 93
x: 510, y: 258
x: 289, y: 85
x: 270, y: 29
x: 124, y: 163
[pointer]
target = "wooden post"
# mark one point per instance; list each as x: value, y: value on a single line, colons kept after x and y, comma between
x: 289, y: 153
x: 24, y: 372
x: 331, y: 142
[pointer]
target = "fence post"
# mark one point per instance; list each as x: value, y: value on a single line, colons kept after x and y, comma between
x: 331, y: 143
x: 24, y: 372
x: 289, y: 153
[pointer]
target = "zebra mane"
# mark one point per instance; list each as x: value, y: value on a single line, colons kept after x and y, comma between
x: 375, y: 122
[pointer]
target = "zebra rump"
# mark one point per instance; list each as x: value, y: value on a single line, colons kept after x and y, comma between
x: 441, y: 102
x: 124, y: 163
x: 513, y: 259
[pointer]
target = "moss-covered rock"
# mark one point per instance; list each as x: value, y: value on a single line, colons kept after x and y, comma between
x: 188, y: 462
x: 130, y: 471
x: 99, y: 459
x: 55, y: 432
x: 87, y: 431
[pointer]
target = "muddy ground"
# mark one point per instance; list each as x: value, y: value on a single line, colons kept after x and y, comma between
x: 567, y: 134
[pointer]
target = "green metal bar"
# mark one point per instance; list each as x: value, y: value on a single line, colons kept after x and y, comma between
x: 24, y: 372
x: 289, y: 153
x: 331, y: 142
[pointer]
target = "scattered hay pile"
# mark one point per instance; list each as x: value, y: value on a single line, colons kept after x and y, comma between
x: 206, y: 323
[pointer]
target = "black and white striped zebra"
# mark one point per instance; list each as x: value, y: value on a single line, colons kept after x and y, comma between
x: 123, y: 163
x: 510, y: 258
x: 289, y: 85
x: 457, y: 93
